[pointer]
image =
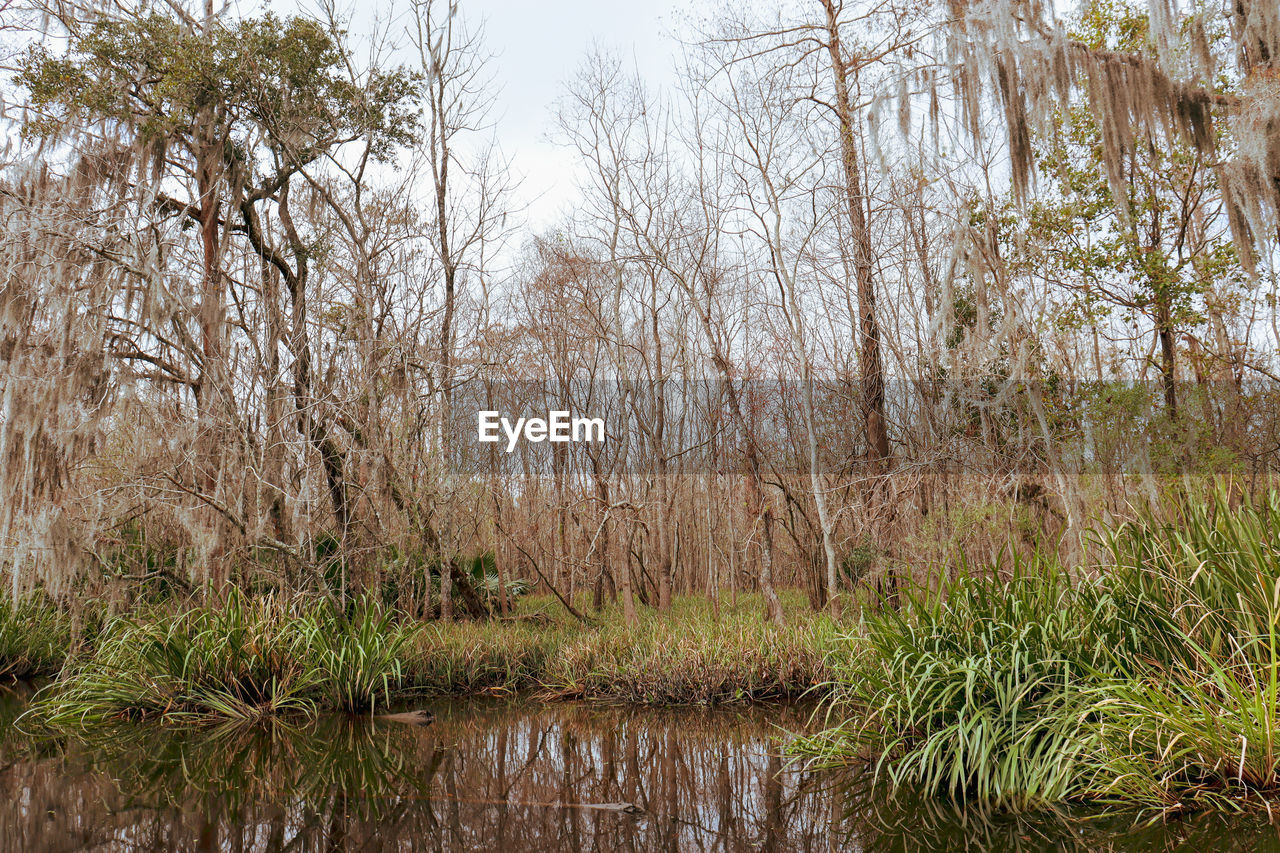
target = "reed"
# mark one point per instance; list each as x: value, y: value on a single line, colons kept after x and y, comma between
x: 35, y: 637
x: 1151, y: 680
x: 242, y: 658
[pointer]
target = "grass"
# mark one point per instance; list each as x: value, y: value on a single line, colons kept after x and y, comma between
x: 970, y: 691
x: 244, y: 658
x: 1151, y: 677
x: 694, y: 658
x: 1151, y: 681
x: 498, y: 657
x: 34, y: 638
x: 689, y: 656
x: 251, y: 657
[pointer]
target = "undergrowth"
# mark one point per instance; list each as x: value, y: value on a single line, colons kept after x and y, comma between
x: 242, y: 658
x: 251, y: 656
x: 1149, y: 680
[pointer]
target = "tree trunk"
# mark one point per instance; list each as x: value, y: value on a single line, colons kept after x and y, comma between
x: 210, y: 419
x: 624, y: 577
x: 871, y: 365
x: 1168, y: 355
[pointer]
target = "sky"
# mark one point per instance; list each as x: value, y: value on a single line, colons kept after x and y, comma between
x: 536, y: 46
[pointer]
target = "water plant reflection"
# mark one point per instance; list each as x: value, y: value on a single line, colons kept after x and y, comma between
x: 484, y: 775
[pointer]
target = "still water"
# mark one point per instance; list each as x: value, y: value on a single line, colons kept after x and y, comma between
x: 503, y: 775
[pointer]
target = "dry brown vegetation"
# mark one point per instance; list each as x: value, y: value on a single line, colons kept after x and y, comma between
x: 259, y: 276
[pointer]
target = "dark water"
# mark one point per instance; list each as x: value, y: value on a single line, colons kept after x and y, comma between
x: 517, y: 776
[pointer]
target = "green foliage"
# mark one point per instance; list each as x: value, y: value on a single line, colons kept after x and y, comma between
x: 250, y: 658
x: 35, y: 637
x: 360, y: 655
x: 284, y: 78
x: 408, y: 578
x: 242, y: 658
x: 1155, y: 681
x: 1130, y: 239
x: 970, y: 690
x: 1204, y: 583
x: 858, y: 561
x: 483, y: 571
x: 1198, y: 725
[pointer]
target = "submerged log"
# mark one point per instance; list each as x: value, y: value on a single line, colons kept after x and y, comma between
x: 411, y: 718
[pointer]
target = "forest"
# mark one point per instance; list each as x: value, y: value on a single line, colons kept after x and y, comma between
x: 933, y: 343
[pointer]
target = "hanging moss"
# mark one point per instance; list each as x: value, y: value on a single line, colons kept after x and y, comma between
x: 1016, y: 52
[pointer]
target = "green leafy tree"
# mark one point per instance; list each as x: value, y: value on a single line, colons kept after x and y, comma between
x: 234, y: 110
x: 1157, y: 253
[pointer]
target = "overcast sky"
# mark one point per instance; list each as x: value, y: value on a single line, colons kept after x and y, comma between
x: 536, y: 46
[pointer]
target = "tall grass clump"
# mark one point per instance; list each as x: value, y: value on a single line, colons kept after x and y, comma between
x: 1151, y: 679
x: 35, y: 637
x: 1202, y: 584
x: 1200, y: 723
x: 357, y: 653
x: 974, y: 689
x: 241, y: 658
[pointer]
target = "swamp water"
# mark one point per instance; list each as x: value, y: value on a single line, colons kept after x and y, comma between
x: 501, y: 775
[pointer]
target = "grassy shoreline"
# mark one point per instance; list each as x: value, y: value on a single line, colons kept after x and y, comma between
x: 250, y: 657
x: 1153, y: 681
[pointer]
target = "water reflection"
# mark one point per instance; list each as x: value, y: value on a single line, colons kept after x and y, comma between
x: 483, y: 776
x: 878, y: 823
x: 504, y: 776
